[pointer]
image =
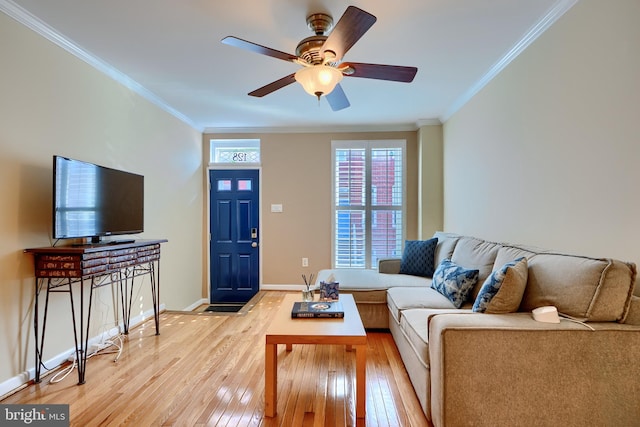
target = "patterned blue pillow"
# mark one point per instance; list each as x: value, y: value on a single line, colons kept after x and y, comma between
x: 418, y: 257
x: 503, y: 290
x: 454, y: 282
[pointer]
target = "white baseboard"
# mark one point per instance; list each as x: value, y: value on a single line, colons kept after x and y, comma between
x: 19, y: 380
x: 196, y: 304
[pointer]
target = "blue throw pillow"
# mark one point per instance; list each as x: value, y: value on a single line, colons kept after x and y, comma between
x: 418, y: 257
x: 454, y: 282
x: 503, y: 290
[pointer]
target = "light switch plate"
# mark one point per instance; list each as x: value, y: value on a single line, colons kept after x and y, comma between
x: 276, y: 208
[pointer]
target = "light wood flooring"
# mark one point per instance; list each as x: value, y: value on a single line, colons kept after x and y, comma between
x: 208, y: 370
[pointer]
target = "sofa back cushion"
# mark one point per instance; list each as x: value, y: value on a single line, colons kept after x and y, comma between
x: 476, y: 254
x: 597, y: 290
x: 446, y: 244
x: 633, y: 317
x: 507, y: 253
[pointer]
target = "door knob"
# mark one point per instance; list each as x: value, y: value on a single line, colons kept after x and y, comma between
x: 254, y: 245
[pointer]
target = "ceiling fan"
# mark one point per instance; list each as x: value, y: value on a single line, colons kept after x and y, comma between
x: 321, y: 58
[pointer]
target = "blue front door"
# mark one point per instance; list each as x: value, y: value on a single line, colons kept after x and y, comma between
x: 234, y: 216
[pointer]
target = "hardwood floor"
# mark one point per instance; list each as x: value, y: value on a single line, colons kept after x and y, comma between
x: 208, y: 370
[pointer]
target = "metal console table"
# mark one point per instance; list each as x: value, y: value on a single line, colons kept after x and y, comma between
x: 58, y: 269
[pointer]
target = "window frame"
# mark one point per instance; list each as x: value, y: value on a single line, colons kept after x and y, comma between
x: 368, y: 146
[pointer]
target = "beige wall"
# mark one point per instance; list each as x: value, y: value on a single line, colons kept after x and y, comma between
x: 547, y: 153
x: 296, y: 172
x: 430, y: 214
x: 53, y: 103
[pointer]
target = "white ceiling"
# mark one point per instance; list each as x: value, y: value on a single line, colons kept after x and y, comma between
x: 170, y: 52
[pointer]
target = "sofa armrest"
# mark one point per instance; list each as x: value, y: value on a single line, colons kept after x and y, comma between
x: 389, y: 265
x: 511, y: 370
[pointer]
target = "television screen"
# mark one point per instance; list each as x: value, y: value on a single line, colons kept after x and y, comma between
x: 93, y: 201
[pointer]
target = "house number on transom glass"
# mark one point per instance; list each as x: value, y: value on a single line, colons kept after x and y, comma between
x: 229, y: 151
x: 239, y: 157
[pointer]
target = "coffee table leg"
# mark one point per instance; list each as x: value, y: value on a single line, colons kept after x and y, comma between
x: 271, y: 380
x: 361, y: 380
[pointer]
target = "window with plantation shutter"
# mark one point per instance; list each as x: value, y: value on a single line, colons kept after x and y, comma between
x: 368, y: 202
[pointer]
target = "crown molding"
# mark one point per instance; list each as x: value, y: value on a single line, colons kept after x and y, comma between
x: 402, y: 127
x: 428, y: 122
x: 32, y: 22
x: 552, y: 15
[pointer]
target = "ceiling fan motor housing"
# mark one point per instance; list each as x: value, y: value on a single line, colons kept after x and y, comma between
x: 309, y: 48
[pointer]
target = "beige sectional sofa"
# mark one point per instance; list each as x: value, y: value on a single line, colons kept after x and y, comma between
x: 481, y: 369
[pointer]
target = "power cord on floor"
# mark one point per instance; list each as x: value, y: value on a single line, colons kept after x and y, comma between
x: 97, y: 350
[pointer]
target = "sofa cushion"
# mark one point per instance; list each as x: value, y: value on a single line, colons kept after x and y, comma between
x: 418, y: 256
x: 454, y: 282
x: 590, y: 289
x: 509, y: 253
x: 363, y: 279
x: 633, y: 318
x: 502, y: 291
x: 402, y: 298
x: 476, y: 254
x: 369, y: 286
x: 446, y: 244
x: 414, y: 324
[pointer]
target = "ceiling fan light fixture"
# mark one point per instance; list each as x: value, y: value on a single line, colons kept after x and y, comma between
x: 318, y: 80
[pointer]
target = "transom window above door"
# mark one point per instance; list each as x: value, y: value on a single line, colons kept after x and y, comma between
x: 234, y: 151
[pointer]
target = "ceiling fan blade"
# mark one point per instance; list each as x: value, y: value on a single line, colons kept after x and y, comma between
x: 253, y: 47
x: 351, y: 26
x: 337, y: 99
x: 273, y: 86
x: 394, y: 73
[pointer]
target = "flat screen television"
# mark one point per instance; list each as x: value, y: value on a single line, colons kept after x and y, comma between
x: 92, y: 201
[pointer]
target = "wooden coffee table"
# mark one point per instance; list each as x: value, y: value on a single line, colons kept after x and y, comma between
x: 285, y: 330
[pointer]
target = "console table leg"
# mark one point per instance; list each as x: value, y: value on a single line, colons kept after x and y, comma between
x: 126, y: 303
x: 130, y: 304
x: 36, y: 326
x: 79, y: 351
x: 155, y: 293
x: 82, y: 342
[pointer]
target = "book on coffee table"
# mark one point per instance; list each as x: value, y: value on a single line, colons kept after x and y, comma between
x: 317, y: 309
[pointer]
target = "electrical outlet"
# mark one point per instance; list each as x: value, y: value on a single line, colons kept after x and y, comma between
x: 305, y: 262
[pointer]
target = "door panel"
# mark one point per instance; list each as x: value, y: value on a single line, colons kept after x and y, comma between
x: 223, y: 224
x: 234, y: 207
